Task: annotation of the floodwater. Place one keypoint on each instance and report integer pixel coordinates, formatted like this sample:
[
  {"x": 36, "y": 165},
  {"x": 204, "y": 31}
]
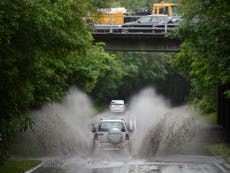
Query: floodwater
[
  {"x": 171, "y": 164},
  {"x": 166, "y": 139}
]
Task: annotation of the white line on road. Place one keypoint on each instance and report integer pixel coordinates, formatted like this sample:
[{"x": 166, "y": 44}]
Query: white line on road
[
  {"x": 33, "y": 169},
  {"x": 221, "y": 168}
]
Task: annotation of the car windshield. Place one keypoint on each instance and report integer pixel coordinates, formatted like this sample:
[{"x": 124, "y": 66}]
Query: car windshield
[
  {"x": 159, "y": 19},
  {"x": 155, "y": 19},
  {"x": 106, "y": 126},
  {"x": 117, "y": 102},
  {"x": 145, "y": 19}
]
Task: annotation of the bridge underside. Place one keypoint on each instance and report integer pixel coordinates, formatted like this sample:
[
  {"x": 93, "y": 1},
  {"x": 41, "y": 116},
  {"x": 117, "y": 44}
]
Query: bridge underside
[{"x": 138, "y": 42}]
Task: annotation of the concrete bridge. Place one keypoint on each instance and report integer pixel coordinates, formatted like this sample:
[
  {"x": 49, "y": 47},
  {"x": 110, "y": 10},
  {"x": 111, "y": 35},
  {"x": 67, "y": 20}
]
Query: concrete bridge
[{"x": 138, "y": 42}]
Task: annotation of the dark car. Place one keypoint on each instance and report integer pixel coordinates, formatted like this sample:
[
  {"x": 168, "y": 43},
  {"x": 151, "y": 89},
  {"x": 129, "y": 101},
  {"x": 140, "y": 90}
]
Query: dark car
[
  {"x": 145, "y": 23},
  {"x": 171, "y": 24}
]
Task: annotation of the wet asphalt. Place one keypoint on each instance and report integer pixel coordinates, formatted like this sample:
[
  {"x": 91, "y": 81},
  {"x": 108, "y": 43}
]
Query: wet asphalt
[{"x": 114, "y": 163}]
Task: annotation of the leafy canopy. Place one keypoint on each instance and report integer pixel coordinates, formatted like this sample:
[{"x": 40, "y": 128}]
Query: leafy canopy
[
  {"x": 45, "y": 47},
  {"x": 205, "y": 54}
]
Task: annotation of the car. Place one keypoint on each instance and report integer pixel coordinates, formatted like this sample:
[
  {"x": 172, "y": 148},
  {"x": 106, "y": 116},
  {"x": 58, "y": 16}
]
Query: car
[
  {"x": 117, "y": 106},
  {"x": 172, "y": 23},
  {"x": 145, "y": 23},
  {"x": 111, "y": 135}
]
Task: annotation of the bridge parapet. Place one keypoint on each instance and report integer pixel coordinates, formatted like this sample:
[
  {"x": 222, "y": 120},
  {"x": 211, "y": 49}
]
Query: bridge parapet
[{"x": 140, "y": 37}]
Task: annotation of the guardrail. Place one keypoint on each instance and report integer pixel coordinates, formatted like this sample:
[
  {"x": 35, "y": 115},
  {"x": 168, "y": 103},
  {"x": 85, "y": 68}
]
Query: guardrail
[{"x": 111, "y": 27}]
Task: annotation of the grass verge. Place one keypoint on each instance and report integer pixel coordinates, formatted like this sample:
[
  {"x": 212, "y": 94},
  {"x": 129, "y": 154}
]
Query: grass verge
[
  {"x": 18, "y": 166},
  {"x": 209, "y": 118},
  {"x": 222, "y": 150}
]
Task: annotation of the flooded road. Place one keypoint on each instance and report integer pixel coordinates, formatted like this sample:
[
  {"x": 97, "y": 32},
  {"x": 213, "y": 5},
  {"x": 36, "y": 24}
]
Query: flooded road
[
  {"x": 166, "y": 139},
  {"x": 169, "y": 164}
]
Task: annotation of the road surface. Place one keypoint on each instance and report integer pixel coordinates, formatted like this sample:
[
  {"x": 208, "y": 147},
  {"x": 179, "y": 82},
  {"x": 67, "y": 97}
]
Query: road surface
[{"x": 118, "y": 164}]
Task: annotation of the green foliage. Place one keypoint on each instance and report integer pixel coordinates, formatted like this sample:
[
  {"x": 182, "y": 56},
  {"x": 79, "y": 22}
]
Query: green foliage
[
  {"x": 227, "y": 93},
  {"x": 131, "y": 71},
  {"x": 142, "y": 69},
  {"x": 136, "y": 5},
  {"x": 95, "y": 65},
  {"x": 204, "y": 58},
  {"x": 220, "y": 150},
  {"x": 108, "y": 82},
  {"x": 209, "y": 118},
  {"x": 45, "y": 47},
  {"x": 206, "y": 105},
  {"x": 18, "y": 166},
  {"x": 98, "y": 3}
]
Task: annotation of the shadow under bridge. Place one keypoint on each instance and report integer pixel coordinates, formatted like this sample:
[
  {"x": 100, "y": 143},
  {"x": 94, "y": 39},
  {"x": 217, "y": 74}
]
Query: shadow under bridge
[{"x": 138, "y": 42}]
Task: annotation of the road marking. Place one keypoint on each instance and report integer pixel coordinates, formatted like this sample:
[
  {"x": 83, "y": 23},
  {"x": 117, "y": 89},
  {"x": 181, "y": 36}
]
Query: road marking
[
  {"x": 221, "y": 168},
  {"x": 33, "y": 169}
]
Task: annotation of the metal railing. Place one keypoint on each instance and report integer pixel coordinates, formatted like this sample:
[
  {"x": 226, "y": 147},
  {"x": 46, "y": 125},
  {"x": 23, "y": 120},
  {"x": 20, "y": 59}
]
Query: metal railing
[{"x": 114, "y": 27}]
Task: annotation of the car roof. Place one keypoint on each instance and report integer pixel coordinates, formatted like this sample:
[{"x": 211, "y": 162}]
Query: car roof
[
  {"x": 158, "y": 15},
  {"x": 118, "y": 102},
  {"x": 112, "y": 120}
]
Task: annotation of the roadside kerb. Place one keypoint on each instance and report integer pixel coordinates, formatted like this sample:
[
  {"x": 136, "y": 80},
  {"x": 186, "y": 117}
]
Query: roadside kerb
[{"x": 34, "y": 168}]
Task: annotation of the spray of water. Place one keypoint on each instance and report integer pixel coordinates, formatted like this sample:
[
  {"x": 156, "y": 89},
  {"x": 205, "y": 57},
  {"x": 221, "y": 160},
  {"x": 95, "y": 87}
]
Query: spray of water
[
  {"x": 60, "y": 128},
  {"x": 64, "y": 128},
  {"x": 160, "y": 129}
]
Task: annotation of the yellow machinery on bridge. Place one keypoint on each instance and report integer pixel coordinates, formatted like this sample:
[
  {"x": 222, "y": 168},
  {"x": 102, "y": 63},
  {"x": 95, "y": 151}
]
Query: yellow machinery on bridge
[
  {"x": 116, "y": 16},
  {"x": 169, "y": 9},
  {"x": 111, "y": 15}
]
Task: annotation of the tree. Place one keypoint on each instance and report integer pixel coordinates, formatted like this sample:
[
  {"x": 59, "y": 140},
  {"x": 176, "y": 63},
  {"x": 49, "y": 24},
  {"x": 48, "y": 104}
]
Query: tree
[
  {"x": 107, "y": 86},
  {"x": 136, "y": 5},
  {"x": 45, "y": 47},
  {"x": 204, "y": 58},
  {"x": 133, "y": 71}
]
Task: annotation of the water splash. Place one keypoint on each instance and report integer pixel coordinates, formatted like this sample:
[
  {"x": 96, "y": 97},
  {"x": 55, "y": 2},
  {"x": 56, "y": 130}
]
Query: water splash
[
  {"x": 161, "y": 129},
  {"x": 64, "y": 128},
  {"x": 60, "y": 128}
]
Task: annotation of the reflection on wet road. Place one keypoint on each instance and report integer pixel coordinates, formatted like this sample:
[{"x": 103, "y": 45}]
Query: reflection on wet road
[{"x": 172, "y": 164}]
